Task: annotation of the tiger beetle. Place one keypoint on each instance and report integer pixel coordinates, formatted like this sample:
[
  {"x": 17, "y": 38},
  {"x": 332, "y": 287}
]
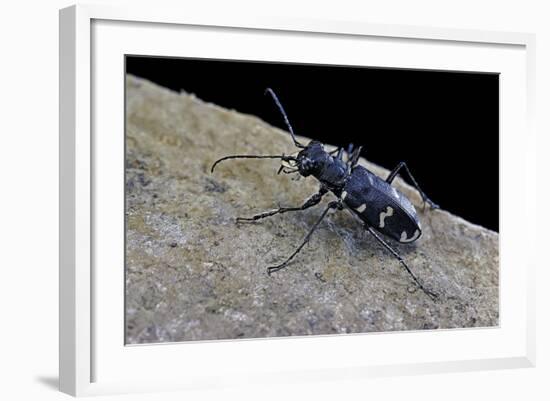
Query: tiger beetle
[{"x": 381, "y": 208}]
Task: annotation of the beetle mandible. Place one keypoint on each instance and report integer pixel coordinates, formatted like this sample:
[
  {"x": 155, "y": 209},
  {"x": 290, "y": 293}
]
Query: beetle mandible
[{"x": 381, "y": 208}]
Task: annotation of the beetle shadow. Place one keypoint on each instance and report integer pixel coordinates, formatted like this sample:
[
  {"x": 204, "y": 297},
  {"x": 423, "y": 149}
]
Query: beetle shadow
[
  {"x": 364, "y": 239},
  {"x": 372, "y": 243}
]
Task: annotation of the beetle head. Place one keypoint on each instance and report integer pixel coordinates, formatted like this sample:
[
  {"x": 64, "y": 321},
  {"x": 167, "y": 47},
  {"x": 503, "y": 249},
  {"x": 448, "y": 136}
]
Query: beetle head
[{"x": 311, "y": 159}]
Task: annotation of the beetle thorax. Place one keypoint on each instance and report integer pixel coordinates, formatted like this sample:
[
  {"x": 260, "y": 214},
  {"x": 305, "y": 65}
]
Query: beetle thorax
[{"x": 314, "y": 160}]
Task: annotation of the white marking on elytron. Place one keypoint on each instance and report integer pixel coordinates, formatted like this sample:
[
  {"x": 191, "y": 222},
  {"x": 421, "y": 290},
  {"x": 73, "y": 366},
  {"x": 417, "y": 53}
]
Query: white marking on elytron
[
  {"x": 362, "y": 208},
  {"x": 370, "y": 179},
  {"x": 405, "y": 239},
  {"x": 383, "y": 215},
  {"x": 344, "y": 194}
]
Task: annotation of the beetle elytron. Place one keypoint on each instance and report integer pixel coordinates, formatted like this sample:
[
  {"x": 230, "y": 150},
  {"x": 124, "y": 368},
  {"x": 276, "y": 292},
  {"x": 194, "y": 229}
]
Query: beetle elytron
[{"x": 380, "y": 207}]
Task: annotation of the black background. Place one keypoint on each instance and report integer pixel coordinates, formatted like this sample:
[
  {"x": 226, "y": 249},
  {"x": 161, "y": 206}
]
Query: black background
[{"x": 445, "y": 125}]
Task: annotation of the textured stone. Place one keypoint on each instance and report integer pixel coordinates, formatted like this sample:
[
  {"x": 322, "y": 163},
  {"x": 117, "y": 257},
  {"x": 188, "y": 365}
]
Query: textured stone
[{"x": 193, "y": 274}]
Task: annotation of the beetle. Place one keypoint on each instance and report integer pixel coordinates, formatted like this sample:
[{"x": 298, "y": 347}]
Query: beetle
[{"x": 380, "y": 207}]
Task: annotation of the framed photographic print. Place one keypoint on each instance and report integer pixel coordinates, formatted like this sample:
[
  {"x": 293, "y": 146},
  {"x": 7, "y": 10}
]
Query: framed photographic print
[{"x": 244, "y": 199}]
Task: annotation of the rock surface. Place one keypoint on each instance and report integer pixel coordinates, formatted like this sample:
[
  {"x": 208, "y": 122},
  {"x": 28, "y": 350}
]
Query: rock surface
[{"x": 193, "y": 274}]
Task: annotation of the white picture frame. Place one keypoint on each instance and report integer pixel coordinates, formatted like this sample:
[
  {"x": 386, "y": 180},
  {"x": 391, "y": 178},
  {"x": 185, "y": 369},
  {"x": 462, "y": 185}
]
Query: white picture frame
[{"x": 93, "y": 358}]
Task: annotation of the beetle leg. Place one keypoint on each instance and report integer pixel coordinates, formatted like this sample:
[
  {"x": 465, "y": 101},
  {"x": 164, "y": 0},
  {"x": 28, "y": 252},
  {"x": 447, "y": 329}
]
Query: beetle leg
[
  {"x": 340, "y": 154},
  {"x": 312, "y": 201},
  {"x": 432, "y": 295},
  {"x": 350, "y": 150},
  {"x": 331, "y": 205},
  {"x": 403, "y": 165},
  {"x": 354, "y": 158}
]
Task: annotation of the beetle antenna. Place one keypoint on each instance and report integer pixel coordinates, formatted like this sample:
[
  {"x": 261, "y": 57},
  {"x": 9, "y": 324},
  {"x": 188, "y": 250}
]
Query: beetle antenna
[
  {"x": 282, "y": 157},
  {"x": 287, "y": 122}
]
